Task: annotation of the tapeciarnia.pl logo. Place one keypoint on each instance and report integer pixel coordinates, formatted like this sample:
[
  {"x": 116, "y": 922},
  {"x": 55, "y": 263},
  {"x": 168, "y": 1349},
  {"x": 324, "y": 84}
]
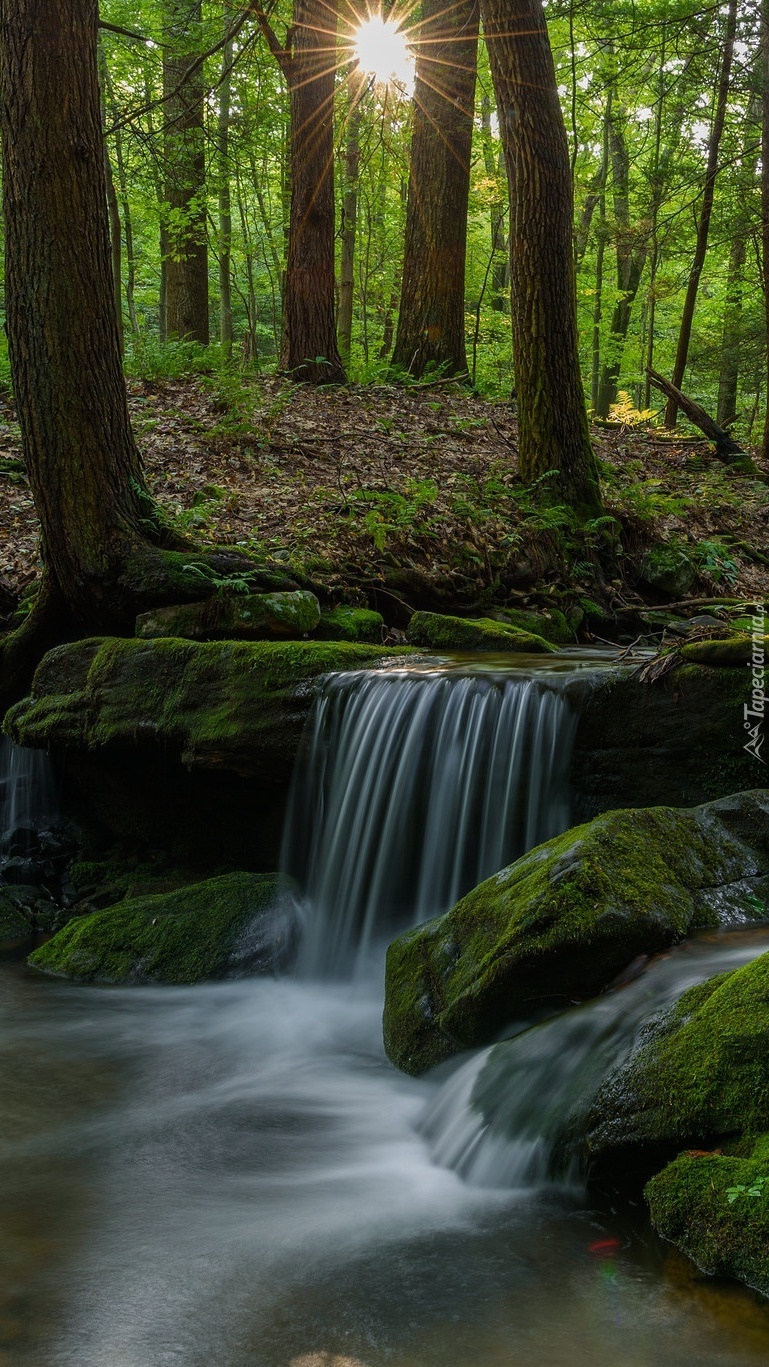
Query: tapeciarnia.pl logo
[{"x": 754, "y": 710}]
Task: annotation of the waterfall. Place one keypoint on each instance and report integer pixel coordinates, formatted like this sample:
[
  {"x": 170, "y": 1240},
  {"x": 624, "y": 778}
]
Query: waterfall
[
  {"x": 506, "y": 1117},
  {"x": 416, "y": 787},
  {"x": 27, "y": 797}
]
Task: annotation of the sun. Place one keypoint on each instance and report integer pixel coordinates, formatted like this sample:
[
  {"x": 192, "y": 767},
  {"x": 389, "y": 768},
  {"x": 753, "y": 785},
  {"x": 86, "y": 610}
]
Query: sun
[{"x": 382, "y": 50}]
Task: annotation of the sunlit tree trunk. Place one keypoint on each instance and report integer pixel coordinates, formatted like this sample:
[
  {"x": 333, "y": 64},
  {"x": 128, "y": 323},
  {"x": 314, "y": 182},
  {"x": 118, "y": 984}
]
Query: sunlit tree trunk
[
  {"x": 553, "y": 431},
  {"x": 431, "y": 321}
]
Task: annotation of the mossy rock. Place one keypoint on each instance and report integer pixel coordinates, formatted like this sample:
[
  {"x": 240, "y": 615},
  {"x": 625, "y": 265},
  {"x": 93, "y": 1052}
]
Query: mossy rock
[
  {"x": 701, "y": 1077},
  {"x": 351, "y": 624},
  {"x": 668, "y": 569},
  {"x": 92, "y": 884},
  {"x": 232, "y": 705},
  {"x": 715, "y": 1208},
  {"x": 436, "y": 631},
  {"x": 231, "y": 616},
  {"x": 15, "y": 927},
  {"x": 721, "y": 654},
  {"x": 564, "y": 920},
  {"x": 187, "y": 936},
  {"x": 550, "y": 623}
]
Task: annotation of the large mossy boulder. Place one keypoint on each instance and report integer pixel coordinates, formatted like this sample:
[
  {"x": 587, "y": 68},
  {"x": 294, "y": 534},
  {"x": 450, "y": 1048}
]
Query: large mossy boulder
[
  {"x": 436, "y": 631},
  {"x": 238, "y": 922},
  {"x": 715, "y": 1208},
  {"x": 230, "y": 616},
  {"x": 232, "y": 705},
  {"x": 700, "y": 1077},
  {"x": 563, "y": 921},
  {"x": 668, "y": 569}
]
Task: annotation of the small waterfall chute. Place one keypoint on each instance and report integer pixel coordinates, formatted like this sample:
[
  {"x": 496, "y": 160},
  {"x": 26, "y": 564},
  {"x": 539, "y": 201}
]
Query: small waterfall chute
[
  {"x": 28, "y": 802},
  {"x": 416, "y": 787},
  {"x": 507, "y": 1117}
]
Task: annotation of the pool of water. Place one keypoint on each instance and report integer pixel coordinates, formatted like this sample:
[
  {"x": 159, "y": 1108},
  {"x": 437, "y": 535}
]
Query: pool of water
[{"x": 234, "y": 1176}]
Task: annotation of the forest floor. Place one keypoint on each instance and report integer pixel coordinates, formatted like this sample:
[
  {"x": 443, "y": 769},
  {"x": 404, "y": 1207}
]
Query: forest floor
[{"x": 409, "y": 488}]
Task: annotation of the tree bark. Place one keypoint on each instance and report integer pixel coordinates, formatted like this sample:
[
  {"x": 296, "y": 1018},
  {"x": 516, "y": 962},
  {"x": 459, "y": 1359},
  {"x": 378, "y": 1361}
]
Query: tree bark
[
  {"x": 309, "y": 349},
  {"x": 729, "y": 374},
  {"x": 431, "y": 321},
  {"x": 186, "y": 240},
  {"x": 349, "y": 225},
  {"x": 552, "y": 419},
  {"x": 727, "y": 449},
  {"x": 765, "y": 202},
  {"x": 225, "y": 195}
]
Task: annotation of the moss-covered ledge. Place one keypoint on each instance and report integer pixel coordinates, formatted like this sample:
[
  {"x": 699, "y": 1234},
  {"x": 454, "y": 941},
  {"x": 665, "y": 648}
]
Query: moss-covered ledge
[{"x": 224, "y": 705}]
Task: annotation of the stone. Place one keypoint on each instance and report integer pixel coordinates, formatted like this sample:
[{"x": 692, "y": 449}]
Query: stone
[
  {"x": 715, "y": 1208},
  {"x": 563, "y": 921},
  {"x": 232, "y": 616},
  {"x": 235, "y": 923},
  {"x": 668, "y": 569},
  {"x": 351, "y": 624},
  {"x": 436, "y": 631}
]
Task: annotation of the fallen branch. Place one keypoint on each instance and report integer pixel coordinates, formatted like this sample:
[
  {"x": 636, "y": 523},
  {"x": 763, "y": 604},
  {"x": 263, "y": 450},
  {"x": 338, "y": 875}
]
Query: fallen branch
[{"x": 727, "y": 449}]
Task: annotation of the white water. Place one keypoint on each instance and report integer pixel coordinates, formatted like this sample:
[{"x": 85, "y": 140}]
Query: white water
[
  {"x": 416, "y": 787},
  {"x": 27, "y": 794}
]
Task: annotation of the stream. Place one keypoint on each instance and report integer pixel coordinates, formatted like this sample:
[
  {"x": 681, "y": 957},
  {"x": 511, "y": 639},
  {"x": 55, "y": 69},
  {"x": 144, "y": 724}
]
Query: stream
[{"x": 233, "y": 1175}]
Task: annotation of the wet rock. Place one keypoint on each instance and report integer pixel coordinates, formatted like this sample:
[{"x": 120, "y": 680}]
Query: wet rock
[
  {"x": 250, "y": 616},
  {"x": 436, "y": 631},
  {"x": 564, "y": 920},
  {"x": 204, "y": 931}
]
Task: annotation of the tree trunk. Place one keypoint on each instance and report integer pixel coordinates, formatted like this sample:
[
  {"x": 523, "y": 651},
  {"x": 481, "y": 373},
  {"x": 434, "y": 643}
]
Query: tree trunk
[
  {"x": 552, "y": 420},
  {"x": 309, "y": 350},
  {"x": 495, "y": 171},
  {"x": 106, "y": 553},
  {"x": 83, "y": 465},
  {"x": 225, "y": 196},
  {"x": 349, "y": 217},
  {"x": 431, "y": 322},
  {"x": 728, "y": 379},
  {"x": 706, "y": 209},
  {"x": 631, "y": 259},
  {"x": 186, "y": 227}
]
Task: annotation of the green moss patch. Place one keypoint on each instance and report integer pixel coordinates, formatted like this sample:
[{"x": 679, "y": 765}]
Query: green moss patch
[
  {"x": 702, "y": 1077},
  {"x": 250, "y": 616},
  {"x": 565, "y": 919},
  {"x": 716, "y": 1210},
  {"x": 351, "y": 624},
  {"x": 738, "y": 650},
  {"x": 436, "y": 631},
  {"x": 219, "y": 704},
  {"x": 185, "y": 936}
]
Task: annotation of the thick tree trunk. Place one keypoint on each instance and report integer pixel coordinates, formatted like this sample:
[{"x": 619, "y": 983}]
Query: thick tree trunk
[
  {"x": 309, "y": 350},
  {"x": 729, "y": 375},
  {"x": 83, "y": 465},
  {"x": 186, "y": 228},
  {"x": 706, "y": 209},
  {"x": 552, "y": 420},
  {"x": 765, "y": 202},
  {"x": 431, "y": 321}
]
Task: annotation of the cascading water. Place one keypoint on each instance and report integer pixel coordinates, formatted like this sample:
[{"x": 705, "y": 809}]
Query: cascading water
[
  {"x": 507, "y": 1117},
  {"x": 417, "y": 786},
  {"x": 27, "y": 797}
]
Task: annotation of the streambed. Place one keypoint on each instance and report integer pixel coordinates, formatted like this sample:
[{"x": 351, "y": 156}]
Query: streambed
[{"x": 234, "y": 1175}]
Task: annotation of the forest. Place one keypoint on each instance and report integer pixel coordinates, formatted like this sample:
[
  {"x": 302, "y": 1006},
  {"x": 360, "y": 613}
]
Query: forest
[{"x": 384, "y": 829}]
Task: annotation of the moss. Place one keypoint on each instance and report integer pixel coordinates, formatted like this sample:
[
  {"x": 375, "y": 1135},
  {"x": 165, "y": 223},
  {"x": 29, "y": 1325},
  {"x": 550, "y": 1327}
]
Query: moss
[
  {"x": 669, "y": 569},
  {"x": 439, "y": 632},
  {"x": 351, "y": 624},
  {"x": 690, "y": 1206},
  {"x": 222, "y": 704},
  {"x": 701, "y": 1077},
  {"x": 736, "y": 651},
  {"x": 103, "y": 882},
  {"x": 184, "y": 936},
  {"x": 250, "y": 616},
  {"x": 565, "y": 919},
  {"x": 551, "y": 624},
  {"x": 15, "y": 927}
]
